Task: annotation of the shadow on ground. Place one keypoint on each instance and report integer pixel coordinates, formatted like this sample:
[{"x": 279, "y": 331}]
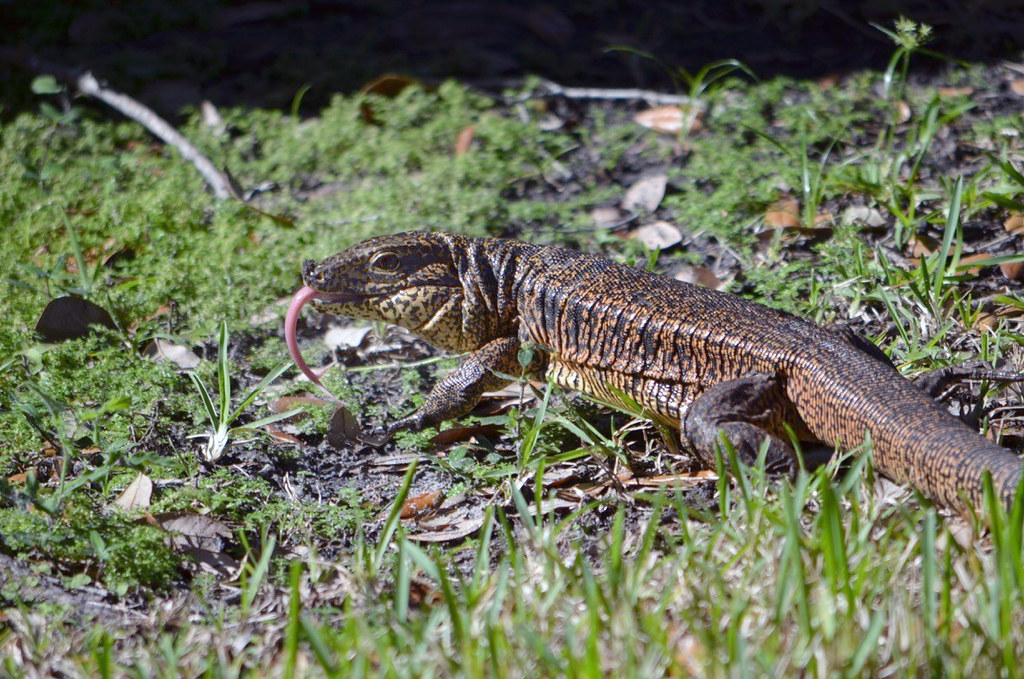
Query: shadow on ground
[{"x": 261, "y": 54}]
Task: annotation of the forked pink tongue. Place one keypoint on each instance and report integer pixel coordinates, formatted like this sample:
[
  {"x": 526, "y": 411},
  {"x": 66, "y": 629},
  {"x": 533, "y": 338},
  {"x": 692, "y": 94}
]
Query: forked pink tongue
[{"x": 291, "y": 321}]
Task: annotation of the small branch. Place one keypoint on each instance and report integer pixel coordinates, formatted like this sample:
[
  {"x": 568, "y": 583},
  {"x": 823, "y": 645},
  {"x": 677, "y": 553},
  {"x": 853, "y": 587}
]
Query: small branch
[
  {"x": 215, "y": 179},
  {"x": 654, "y": 98}
]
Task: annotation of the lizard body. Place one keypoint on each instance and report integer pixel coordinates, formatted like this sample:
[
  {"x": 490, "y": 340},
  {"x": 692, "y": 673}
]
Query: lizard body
[{"x": 702, "y": 361}]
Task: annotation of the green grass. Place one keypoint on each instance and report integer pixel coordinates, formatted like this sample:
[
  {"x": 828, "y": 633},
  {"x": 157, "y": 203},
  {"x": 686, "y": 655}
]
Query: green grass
[{"x": 833, "y": 575}]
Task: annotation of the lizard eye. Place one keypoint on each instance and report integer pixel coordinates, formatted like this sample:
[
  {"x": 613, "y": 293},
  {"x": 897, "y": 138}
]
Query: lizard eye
[{"x": 385, "y": 262}]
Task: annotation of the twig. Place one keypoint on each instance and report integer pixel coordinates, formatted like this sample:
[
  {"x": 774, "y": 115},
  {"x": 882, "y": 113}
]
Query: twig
[
  {"x": 215, "y": 179},
  {"x": 654, "y": 98}
]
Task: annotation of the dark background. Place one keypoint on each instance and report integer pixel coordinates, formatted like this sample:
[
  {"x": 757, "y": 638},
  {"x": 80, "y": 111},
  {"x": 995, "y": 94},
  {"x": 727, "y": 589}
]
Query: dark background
[{"x": 261, "y": 53}]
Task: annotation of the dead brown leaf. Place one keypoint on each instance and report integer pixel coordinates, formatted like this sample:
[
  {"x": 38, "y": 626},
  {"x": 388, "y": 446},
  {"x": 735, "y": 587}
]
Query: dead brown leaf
[
  {"x": 646, "y": 194},
  {"x": 137, "y": 494},
  {"x": 1013, "y": 270},
  {"x": 952, "y": 92},
  {"x": 903, "y": 112},
  {"x": 457, "y": 531},
  {"x": 668, "y": 119},
  {"x": 970, "y": 259},
  {"x": 417, "y": 505},
  {"x": 658, "y": 235},
  {"x": 783, "y": 213},
  {"x": 69, "y": 317},
  {"x": 464, "y": 140},
  {"x": 1017, "y": 87},
  {"x": 699, "y": 275},
  {"x": 1014, "y": 224}
]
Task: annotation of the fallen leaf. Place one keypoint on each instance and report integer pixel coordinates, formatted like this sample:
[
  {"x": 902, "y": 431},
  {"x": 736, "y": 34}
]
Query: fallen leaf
[
  {"x": 1017, "y": 86},
  {"x": 18, "y": 478},
  {"x": 418, "y": 504},
  {"x": 903, "y": 112},
  {"x": 1013, "y": 270},
  {"x": 951, "y": 92},
  {"x": 668, "y": 119},
  {"x": 986, "y": 321},
  {"x": 201, "y": 537},
  {"x": 699, "y": 275},
  {"x": 464, "y": 140},
  {"x": 970, "y": 259},
  {"x": 783, "y": 213},
  {"x": 459, "y": 530},
  {"x": 343, "y": 429},
  {"x": 1014, "y": 224},
  {"x": 646, "y": 194},
  {"x": 922, "y": 245},
  {"x": 863, "y": 214},
  {"x": 346, "y": 336},
  {"x": 606, "y": 217},
  {"x": 69, "y": 317},
  {"x": 179, "y": 355},
  {"x": 658, "y": 235},
  {"x": 137, "y": 494},
  {"x": 388, "y": 85},
  {"x": 286, "y": 403},
  {"x": 452, "y": 435}
]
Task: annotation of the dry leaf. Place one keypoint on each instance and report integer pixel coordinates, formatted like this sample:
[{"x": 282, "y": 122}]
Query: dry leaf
[
  {"x": 1017, "y": 86},
  {"x": 903, "y": 112},
  {"x": 950, "y": 92},
  {"x": 464, "y": 140},
  {"x": 699, "y": 275},
  {"x": 418, "y": 504},
  {"x": 201, "y": 537},
  {"x": 346, "y": 337},
  {"x": 970, "y": 259},
  {"x": 1013, "y": 270},
  {"x": 1014, "y": 224},
  {"x": 343, "y": 429},
  {"x": 181, "y": 356},
  {"x": 668, "y": 119},
  {"x": 864, "y": 215},
  {"x": 922, "y": 245},
  {"x": 137, "y": 494},
  {"x": 783, "y": 213},
  {"x": 459, "y": 530},
  {"x": 606, "y": 217},
  {"x": 986, "y": 321},
  {"x": 67, "y": 318},
  {"x": 646, "y": 194},
  {"x": 658, "y": 235}
]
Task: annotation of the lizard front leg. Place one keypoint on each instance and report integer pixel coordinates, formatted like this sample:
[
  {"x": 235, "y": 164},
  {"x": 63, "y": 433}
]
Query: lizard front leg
[
  {"x": 486, "y": 369},
  {"x": 747, "y": 410}
]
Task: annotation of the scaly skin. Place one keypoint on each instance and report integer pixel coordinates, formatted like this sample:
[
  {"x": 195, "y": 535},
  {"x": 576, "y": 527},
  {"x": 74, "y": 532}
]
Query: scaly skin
[{"x": 706, "y": 362}]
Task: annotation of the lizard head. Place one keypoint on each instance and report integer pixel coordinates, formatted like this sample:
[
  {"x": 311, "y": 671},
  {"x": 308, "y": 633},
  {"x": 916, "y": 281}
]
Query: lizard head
[{"x": 408, "y": 279}]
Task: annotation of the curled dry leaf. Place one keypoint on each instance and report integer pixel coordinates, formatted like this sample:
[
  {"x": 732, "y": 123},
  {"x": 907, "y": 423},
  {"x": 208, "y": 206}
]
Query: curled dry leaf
[
  {"x": 668, "y": 119},
  {"x": 1013, "y": 270},
  {"x": 179, "y": 355},
  {"x": 69, "y": 317},
  {"x": 1015, "y": 224},
  {"x": 137, "y": 494},
  {"x": 646, "y": 194},
  {"x": 658, "y": 235}
]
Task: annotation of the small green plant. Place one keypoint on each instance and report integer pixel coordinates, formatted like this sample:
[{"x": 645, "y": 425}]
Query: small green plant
[{"x": 223, "y": 416}]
